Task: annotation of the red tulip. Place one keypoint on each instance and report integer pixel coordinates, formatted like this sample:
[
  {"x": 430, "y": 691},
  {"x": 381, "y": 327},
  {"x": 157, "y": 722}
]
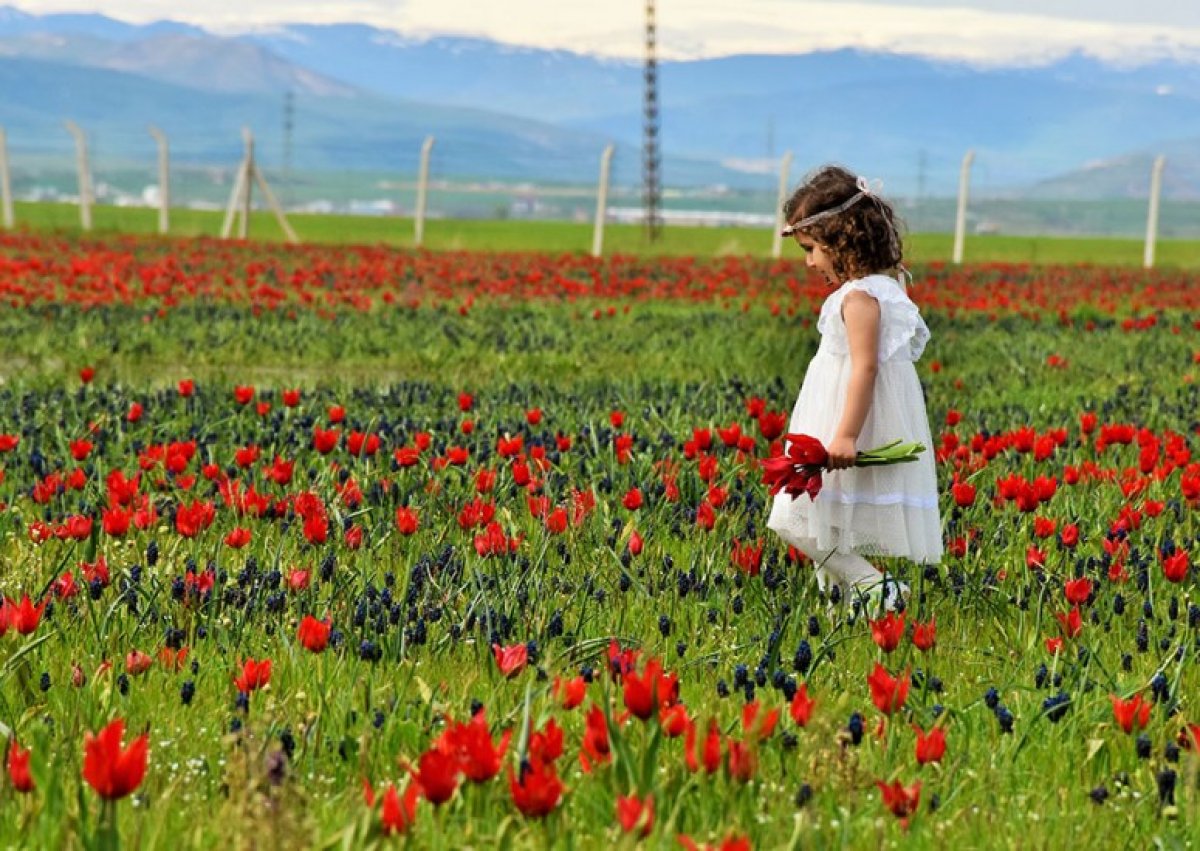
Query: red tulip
[
  {"x": 743, "y": 761},
  {"x": 802, "y": 706},
  {"x": 888, "y": 693},
  {"x": 1071, "y": 622},
  {"x": 888, "y": 631},
  {"x": 766, "y": 724},
  {"x": 254, "y": 675},
  {"x": 407, "y": 520},
  {"x": 437, "y": 773},
  {"x": 1078, "y": 590},
  {"x": 24, "y": 617},
  {"x": 1132, "y": 714},
  {"x": 110, "y": 769},
  {"x": 471, "y": 745},
  {"x": 596, "y": 745},
  {"x": 900, "y": 800},
  {"x": 314, "y": 634},
  {"x": 570, "y": 693},
  {"x": 137, "y": 662},
  {"x": 396, "y": 814},
  {"x": 650, "y": 691},
  {"x": 237, "y": 538},
  {"x": 18, "y": 768},
  {"x": 536, "y": 792},
  {"x": 931, "y": 746},
  {"x": 1175, "y": 566},
  {"x": 924, "y": 635},
  {"x": 511, "y": 660},
  {"x": 636, "y": 815}
]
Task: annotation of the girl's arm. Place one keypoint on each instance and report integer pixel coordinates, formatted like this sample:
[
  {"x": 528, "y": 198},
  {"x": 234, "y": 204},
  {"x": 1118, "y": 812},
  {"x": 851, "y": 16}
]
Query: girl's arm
[{"x": 861, "y": 314}]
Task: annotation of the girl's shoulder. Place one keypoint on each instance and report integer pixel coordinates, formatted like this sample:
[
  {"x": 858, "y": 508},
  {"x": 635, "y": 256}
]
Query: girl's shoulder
[{"x": 883, "y": 288}]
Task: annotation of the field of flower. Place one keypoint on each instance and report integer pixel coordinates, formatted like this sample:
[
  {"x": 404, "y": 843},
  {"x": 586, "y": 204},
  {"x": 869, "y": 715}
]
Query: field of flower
[
  {"x": 554, "y": 236},
  {"x": 346, "y": 546}
]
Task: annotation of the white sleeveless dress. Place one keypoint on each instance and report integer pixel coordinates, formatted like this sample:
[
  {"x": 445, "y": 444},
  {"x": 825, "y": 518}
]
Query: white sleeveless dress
[{"x": 881, "y": 511}]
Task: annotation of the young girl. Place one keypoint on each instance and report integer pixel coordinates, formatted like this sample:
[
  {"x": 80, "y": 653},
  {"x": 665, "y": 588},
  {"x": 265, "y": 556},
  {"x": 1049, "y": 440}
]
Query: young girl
[{"x": 861, "y": 391}]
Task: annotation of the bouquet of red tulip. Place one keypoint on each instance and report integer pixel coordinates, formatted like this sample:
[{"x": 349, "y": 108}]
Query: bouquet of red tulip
[{"x": 798, "y": 470}]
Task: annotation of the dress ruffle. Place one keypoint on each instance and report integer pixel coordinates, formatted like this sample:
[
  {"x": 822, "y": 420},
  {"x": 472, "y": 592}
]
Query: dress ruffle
[{"x": 903, "y": 334}]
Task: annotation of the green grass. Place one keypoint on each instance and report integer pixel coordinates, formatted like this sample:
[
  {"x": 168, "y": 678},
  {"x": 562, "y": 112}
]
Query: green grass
[
  {"x": 454, "y": 235},
  {"x": 217, "y": 777}
]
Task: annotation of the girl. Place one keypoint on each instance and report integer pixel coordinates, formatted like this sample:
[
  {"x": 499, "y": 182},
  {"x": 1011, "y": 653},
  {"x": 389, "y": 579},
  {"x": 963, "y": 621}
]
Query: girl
[{"x": 861, "y": 391}]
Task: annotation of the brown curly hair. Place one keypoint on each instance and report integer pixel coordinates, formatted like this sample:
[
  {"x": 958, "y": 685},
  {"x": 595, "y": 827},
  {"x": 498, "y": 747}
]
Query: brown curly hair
[{"x": 861, "y": 240}]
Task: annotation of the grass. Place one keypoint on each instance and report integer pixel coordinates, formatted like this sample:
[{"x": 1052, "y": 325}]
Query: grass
[
  {"x": 416, "y": 614},
  {"x": 497, "y": 235}
]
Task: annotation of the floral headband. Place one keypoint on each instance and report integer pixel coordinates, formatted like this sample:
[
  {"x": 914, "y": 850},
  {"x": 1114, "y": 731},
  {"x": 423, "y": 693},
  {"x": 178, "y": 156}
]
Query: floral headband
[{"x": 866, "y": 189}]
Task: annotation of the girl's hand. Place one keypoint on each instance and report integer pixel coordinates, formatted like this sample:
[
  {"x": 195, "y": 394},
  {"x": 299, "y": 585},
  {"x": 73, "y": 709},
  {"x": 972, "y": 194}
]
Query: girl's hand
[{"x": 843, "y": 451}]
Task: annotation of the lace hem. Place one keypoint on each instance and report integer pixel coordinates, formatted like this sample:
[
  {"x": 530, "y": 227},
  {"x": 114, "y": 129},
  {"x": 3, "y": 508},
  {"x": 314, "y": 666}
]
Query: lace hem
[{"x": 894, "y": 498}]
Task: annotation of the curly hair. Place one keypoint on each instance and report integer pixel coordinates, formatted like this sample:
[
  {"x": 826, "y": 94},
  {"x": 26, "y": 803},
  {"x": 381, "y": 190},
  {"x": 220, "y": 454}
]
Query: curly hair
[{"x": 862, "y": 239}]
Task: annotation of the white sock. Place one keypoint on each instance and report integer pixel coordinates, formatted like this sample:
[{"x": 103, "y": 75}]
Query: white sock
[{"x": 852, "y": 570}]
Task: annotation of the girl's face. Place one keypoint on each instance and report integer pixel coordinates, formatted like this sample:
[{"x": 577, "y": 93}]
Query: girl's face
[{"x": 817, "y": 258}]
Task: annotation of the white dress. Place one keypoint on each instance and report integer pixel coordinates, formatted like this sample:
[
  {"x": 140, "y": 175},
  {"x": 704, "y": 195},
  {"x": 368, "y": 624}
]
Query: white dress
[{"x": 881, "y": 511}]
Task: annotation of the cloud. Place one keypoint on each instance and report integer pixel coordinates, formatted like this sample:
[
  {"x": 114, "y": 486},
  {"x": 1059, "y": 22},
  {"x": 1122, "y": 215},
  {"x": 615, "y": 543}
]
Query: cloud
[{"x": 701, "y": 28}]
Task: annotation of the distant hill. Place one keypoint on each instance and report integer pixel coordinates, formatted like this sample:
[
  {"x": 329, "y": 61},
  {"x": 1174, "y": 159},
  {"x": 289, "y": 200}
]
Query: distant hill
[
  {"x": 365, "y": 97},
  {"x": 1128, "y": 176},
  {"x": 195, "y": 61}
]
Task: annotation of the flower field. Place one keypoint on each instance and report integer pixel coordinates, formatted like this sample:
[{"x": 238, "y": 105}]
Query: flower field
[{"x": 348, "y": 546}]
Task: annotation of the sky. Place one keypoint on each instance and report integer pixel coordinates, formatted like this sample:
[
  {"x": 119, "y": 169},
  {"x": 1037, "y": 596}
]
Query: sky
[{"x": 982, "y": 31}]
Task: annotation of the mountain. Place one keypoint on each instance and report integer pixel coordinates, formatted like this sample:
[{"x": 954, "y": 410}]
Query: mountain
[
  {"x": 14, "y": 22},
  {"x": 115, "y": 106},
  {"x": 365, "y": 97},
  {"x": 549, "y": 85},
  {"x": 198, "y": 61},
  {"x": 1128, "y": 176}
]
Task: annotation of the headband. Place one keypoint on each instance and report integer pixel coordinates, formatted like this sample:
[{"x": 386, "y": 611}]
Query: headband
[{"x": 866, "y": 189}]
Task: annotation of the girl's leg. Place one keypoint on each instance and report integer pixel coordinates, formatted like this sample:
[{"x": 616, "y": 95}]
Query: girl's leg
[
  {"x": 827, "y": 580},
  {"x": 859, "y": 577}
]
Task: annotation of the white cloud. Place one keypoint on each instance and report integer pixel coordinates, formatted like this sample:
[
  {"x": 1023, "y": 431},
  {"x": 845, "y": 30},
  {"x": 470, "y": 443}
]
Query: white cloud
[{"x": 695, "y": 28}]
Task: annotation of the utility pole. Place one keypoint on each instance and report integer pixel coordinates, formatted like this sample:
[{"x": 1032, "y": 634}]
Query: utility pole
[{"x": 651, "y": 159}]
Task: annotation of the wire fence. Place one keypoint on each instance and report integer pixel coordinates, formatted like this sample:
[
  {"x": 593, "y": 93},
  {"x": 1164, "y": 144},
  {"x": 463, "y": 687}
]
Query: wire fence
[{"x": 470, "y": 178}]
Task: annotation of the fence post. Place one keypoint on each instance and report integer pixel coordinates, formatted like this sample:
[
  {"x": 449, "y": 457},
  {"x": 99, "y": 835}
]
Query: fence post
[
  {"x": 6, "y": 200},
  {"x": 960, "y": 221},
  {"x": 601, "y": 201},
  {"x": 85, "y": 177},
  {"x": 164, "y": 180},
  {"x": 785, "y": 165},
  {"x": 1152, "y": 216},
  {"x": 422, "y": 193}
]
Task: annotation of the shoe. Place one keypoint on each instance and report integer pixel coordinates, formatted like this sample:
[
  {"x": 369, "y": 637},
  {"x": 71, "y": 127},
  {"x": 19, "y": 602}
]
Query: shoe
[{"x": 835, "y": 592}]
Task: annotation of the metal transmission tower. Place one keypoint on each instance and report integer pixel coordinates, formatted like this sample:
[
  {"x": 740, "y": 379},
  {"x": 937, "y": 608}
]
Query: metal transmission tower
[
  {"x": 651, "y": 160},
  {"x": 289, "y": 123}
]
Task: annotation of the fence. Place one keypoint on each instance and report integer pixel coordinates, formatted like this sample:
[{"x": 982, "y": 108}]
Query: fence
[{"x": 714, "y": 206}]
